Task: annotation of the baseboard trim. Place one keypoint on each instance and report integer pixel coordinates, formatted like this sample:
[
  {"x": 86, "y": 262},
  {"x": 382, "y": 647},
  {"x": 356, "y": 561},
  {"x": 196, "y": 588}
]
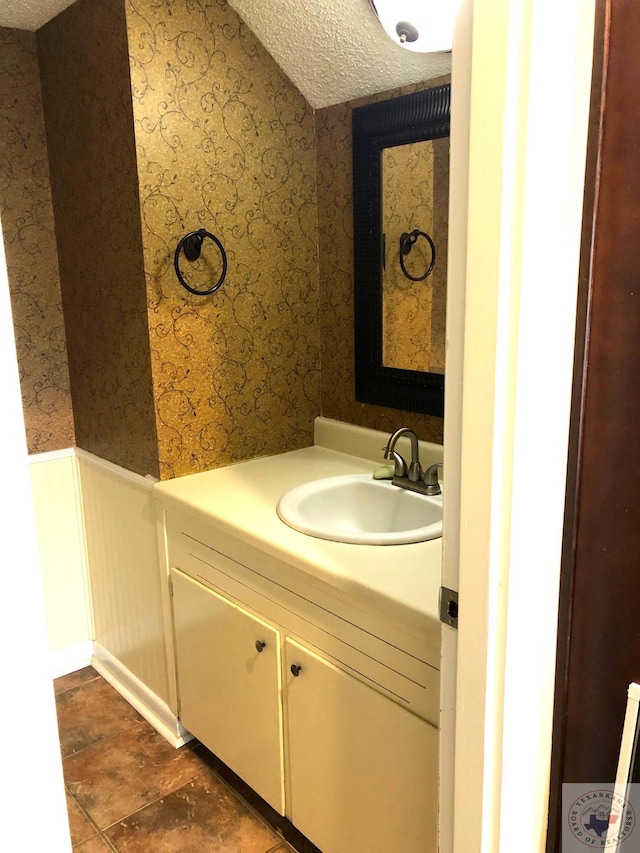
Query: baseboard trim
[
  {"x": 138, "y": 695},
  {"x": 71, "y": 658}
]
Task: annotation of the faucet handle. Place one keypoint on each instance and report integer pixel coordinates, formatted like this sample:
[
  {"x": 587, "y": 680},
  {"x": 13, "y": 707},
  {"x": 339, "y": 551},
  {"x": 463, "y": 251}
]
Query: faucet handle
[{"x": 431, "y": 479}]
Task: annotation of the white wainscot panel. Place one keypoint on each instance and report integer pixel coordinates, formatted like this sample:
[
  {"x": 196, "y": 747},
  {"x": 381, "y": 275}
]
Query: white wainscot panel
[
  {"x": 56, "y": 499},
  {"x": 124, "y": 569}
]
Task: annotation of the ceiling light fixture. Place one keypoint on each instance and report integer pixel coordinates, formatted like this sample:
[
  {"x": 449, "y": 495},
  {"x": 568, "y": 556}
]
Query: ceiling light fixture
[{"x": 425, "y": 26}]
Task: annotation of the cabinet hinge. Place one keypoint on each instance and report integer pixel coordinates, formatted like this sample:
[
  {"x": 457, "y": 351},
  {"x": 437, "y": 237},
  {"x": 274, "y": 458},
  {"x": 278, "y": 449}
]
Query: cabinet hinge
[{"x": 449, "y": 606}]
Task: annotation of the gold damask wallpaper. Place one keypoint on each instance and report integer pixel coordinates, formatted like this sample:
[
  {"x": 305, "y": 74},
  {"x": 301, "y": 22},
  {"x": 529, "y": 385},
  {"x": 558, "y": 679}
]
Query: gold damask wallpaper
[
  {"x": 162, "y": 117},
  {"x": 415, "y": 196},
  {"x": 407, "y": 204},
  {"x": 27, "y": 224},
  {"x": 335, "y": 237},
  {"x": 87, "y": 104},
  {"x": 225, "y": 142}
]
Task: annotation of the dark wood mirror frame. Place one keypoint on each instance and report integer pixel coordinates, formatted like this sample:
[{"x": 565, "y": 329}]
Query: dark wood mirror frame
[{"x": 409, "y": 118}]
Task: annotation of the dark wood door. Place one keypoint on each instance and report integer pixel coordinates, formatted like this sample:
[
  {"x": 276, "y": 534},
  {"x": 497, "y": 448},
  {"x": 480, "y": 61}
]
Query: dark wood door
[{"x": 599, "y": 641}]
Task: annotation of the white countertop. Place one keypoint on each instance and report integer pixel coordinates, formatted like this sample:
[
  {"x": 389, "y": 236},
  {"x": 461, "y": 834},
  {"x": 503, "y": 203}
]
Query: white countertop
[{"x": 400, "y": 581}]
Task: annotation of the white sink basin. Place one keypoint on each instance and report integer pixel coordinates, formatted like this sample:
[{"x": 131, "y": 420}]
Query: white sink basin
[{"x": 357, "y": 509}]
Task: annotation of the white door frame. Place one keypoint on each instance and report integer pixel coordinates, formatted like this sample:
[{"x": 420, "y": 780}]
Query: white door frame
[{"x": 530, "y": 71}]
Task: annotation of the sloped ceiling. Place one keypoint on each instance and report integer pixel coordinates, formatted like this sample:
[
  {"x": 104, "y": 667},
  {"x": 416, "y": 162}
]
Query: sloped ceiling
[
  {"x": 336, "y": 50},
  {"x": 333, "y": 50},
  {"x": 29, "y": 14}
]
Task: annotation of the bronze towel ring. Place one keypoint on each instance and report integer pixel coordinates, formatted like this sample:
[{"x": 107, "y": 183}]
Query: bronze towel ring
[
  {"x": 406, "y": 244},
  {"x": 192, "y": 244}
]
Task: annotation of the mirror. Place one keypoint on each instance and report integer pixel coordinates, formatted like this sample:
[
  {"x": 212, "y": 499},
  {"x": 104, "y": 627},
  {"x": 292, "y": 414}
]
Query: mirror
[{"x": 401, "y": 197}]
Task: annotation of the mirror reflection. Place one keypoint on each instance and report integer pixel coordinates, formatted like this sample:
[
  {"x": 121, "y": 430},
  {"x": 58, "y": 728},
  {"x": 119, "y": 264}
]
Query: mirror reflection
[
  {"x": 415, "y": 191},
  {"x": 400, "y": 206}
]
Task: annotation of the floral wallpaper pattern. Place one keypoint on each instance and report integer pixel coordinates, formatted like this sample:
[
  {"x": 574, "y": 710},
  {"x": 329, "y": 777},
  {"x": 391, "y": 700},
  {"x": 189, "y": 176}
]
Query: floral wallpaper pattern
[
  {"x": 225, "y": 142},
  {"x": 165, "y": 116},
  {"x": 87, "y": 104},
  {"x": 335, "y": 237},
  {"x": 27, "y": 223},
  {"x": 415, "y": 196}
]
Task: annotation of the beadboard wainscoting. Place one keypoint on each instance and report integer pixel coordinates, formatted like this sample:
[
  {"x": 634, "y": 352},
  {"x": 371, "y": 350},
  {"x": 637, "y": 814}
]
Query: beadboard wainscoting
[
  {"x": 98, "y": 539},
  {"x": 55, "y": 481},
  {"x": 122, "y": 548}
]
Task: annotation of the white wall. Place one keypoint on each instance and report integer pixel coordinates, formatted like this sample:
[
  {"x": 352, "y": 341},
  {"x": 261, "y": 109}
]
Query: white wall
[{"x": 33, "y": 802}]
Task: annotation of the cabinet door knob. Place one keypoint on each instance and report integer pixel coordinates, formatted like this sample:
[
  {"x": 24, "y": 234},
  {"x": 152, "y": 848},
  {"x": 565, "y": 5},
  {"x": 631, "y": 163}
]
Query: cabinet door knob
[
  {"x": 260, "y": 644},
  {"x": 295, "y": 669}
]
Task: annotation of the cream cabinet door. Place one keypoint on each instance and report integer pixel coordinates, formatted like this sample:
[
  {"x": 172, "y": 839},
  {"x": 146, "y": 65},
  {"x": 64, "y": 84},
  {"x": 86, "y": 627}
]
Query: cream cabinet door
[
  {"x": 363, "y": 770},
  {"x": 228, "y": 666}
]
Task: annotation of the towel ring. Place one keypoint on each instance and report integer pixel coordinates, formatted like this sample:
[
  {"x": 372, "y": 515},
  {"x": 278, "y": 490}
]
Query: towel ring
[
  {"x": 192, "y": 244},
  {"x": 406, "y": 244}
]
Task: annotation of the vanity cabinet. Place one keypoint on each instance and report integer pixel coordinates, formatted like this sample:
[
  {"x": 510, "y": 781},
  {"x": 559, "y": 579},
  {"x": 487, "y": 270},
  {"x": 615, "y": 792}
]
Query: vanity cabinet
[
  {"x": 361, "y": 768},
  {"x": 228, "y": 664},
  {"x": 345, "y": 744},
  {"x": 306, "y": 707}
]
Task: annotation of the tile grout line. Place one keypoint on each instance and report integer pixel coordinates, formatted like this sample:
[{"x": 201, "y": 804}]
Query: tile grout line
[
  {"x": 101, "y": 741},
  {"x": 109, "y": 845},
  {"x": 253, "y": 810},
  {"x": 128, "y": 816},
  {"x": 77, "y": 686},
  {"x": 280, "y": 843},
  {"x": 86, "y": 814},
  {"x": 249, "y": 808},
  {"x": 151, "y": 803},
  {"x": 206, "y": 768},
  {"x": 98, "y": 744},
  {"x": 228, "y": 788}
]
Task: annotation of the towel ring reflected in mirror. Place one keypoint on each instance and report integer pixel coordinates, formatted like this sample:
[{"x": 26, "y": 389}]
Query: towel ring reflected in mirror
[{"x": 407, "y": 241}]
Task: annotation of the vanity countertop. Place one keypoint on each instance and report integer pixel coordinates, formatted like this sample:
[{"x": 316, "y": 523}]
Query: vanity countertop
[{"x": 400, "y": 581}]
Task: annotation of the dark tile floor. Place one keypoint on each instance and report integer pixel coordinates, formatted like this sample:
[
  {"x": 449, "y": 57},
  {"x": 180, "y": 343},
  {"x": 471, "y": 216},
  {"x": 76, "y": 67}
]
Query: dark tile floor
[{"x": 130, "y": 791}]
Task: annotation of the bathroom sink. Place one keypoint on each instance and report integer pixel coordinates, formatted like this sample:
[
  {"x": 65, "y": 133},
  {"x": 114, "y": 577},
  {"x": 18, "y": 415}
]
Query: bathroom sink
[{"x": 357, "y": 509}]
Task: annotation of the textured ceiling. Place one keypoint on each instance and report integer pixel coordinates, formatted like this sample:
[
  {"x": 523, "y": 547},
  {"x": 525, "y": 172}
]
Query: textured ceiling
[
  {"x": 333, "y": 50},
  {"x": 29, "y": 14},
  {"x": 336, "y": 50}
]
